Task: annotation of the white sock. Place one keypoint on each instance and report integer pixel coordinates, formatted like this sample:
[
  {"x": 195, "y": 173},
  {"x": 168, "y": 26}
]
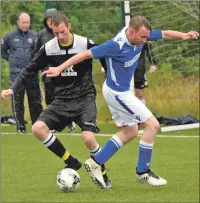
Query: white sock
[
  {"x": 95, "y": 151},
  {"x": 49, "y": 140}
]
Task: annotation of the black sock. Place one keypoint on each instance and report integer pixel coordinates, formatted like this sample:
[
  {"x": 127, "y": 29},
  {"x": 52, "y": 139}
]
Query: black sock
[
  {"x": 69, "y": 160},
  {"x": 54, "y": 145}
]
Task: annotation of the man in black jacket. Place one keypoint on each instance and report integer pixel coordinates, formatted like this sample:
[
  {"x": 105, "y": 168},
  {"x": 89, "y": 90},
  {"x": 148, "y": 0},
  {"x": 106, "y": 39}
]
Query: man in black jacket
[
  {"x": 75, "y": 93},
  {"x": 43, "y": 37},
  {"x": 17, "y": 47},
  {"x": 140, "y": 79}
]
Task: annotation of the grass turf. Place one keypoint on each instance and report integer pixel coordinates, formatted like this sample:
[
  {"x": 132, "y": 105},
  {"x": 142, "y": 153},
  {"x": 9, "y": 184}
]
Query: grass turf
[{"x": 28, "y": 171}]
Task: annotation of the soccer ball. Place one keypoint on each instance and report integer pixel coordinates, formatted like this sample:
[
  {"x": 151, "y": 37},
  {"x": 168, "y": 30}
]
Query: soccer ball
[{"x": 68, "y": 180}]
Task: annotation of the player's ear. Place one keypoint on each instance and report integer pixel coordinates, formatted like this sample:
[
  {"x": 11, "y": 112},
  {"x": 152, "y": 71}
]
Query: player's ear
[
  {"x": 132, "y": 30},
  {"x": 69, "y": 26}
]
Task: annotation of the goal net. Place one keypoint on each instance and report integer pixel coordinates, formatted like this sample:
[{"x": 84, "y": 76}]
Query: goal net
[
  {"x": 174, "y": 88},
  {"x": 189, "y": 7}
]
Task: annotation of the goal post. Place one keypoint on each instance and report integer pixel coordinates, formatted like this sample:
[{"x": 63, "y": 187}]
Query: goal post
[{"x": 125, "y": 7}]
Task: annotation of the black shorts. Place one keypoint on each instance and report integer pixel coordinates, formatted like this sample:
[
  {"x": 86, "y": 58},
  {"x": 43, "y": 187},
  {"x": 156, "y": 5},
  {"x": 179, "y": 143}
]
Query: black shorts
[
  {"x": 60, "y": 114},
  {"x": 140, "y": 81}
]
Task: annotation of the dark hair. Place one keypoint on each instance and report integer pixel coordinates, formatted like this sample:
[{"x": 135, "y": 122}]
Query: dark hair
[
  {"x": 138, "y": 21},
  {"x": 60, "y": 18}
]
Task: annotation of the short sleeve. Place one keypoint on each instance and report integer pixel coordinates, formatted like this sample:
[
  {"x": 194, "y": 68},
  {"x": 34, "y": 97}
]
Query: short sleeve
[
  {"x": 155, "y": 35},
  {"x": 105, "y": 50}
]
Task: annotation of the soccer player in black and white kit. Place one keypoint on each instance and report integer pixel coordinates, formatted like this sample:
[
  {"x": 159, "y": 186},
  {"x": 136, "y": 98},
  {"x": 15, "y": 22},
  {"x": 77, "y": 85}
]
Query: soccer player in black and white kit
[
  {"x": 43, "y": 36},
  {"x": 75, "y": 93}
]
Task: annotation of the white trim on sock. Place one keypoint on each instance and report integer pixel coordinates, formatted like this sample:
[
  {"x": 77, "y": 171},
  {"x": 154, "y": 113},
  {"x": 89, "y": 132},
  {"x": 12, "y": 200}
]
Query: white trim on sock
[
  {"x": 49, "y": 140},
  {"x": 146, "y": 145},
  {"x": 117, "y": 141},
  {"x": 95, "y": 151}
]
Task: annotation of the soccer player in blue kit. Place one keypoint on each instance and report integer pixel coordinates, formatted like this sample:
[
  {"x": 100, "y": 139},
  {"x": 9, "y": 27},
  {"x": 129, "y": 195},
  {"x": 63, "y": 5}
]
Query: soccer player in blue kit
[{"x": 121, "y": 54}]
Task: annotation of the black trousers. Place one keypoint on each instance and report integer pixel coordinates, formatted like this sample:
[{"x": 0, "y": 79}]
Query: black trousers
[{"x": 34, "y": 102}]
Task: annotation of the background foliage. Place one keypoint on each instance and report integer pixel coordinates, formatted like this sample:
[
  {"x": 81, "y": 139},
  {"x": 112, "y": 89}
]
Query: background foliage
[{"x": 173, "y": 89}]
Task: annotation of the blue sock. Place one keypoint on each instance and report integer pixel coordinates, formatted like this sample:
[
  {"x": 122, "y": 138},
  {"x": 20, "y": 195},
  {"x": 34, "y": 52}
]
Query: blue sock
[
  {"x": 110, "y": 148},
  {"x": 145, "y": 154}
]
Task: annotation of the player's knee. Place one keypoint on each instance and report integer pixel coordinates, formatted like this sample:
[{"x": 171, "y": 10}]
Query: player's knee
[
  {"x": 35, "y": 128},
  {"x": 157, "y": 125},
  {"x": 153, "y": 124},
  {"x": 38, "y": 128},
  {"x": 87, "y": 140}
]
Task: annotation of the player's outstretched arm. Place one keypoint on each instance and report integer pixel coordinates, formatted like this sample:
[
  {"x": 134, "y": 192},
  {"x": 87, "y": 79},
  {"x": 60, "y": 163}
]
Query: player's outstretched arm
[
  {"x": 171, "y": 34},
  {"x": 55, "y": 71},
  {"x": 6, "y": 93}
]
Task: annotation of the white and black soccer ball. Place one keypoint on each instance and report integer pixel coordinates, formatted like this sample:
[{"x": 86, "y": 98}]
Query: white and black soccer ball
[{"x": 68, "y": 180}]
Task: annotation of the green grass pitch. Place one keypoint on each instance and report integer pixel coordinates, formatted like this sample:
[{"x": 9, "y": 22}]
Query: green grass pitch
[{"x": 28, "y": 170}]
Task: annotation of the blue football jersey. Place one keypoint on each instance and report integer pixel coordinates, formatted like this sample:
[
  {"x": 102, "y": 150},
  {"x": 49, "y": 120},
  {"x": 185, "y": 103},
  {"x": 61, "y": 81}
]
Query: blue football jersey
[{"x": 121, "y": 58}]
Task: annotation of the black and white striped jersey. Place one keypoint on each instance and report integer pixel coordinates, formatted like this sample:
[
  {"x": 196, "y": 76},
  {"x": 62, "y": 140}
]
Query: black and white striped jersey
[{"x": 74, "y": 82}]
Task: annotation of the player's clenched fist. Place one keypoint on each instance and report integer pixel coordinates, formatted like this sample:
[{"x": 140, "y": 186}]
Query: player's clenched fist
[
  {"x": 190, "y": 35},
  {"x": 5, "y": 93}
]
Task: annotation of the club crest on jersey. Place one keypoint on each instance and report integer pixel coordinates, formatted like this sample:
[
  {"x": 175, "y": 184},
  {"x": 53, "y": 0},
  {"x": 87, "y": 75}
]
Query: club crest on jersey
[
  {"x": 30, "y": 40},
  {"x": 69, "y": 72},
  {"x": 119, "y": 39},
  {"x": 132, "y": 61}
]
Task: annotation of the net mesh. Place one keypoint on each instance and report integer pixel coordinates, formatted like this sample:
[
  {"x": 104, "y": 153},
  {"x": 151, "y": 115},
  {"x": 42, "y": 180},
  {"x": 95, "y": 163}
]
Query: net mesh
[
  {"x": 190, "y": 7},
  {"x": 176, "y": 83},
  {"x": 181, "y": 55}
]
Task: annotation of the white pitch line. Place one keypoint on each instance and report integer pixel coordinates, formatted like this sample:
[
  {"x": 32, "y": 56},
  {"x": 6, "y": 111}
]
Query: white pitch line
[{"x": 108, "y": 135}]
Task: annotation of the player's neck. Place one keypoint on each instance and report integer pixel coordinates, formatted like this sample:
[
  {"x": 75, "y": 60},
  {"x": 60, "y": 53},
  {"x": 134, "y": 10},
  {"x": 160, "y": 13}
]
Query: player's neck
[
  {"x": 69, "y": 42},
  {"x": 127, "y": 32}
]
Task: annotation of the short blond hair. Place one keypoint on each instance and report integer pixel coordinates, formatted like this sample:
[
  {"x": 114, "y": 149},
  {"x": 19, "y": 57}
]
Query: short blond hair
[{"x": 138, "y": 21}]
